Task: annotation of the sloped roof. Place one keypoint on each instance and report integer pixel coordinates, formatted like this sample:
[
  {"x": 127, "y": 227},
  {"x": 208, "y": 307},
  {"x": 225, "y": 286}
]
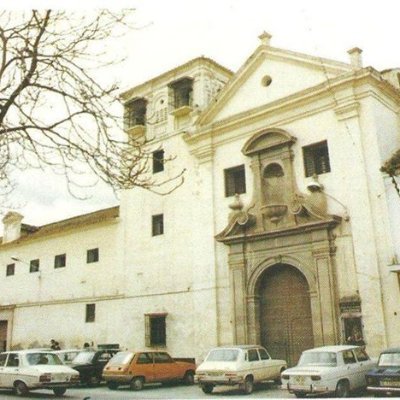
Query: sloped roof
[
  {"x": 261, "y": 52},
  {"x": 30, "y": 232}
]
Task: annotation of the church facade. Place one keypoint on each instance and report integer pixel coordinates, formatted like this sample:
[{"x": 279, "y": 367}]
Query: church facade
[{"x": 283, "y": 232}]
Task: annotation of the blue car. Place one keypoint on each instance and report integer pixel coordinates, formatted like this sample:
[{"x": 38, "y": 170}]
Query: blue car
[{"x": 385, "y": 378}]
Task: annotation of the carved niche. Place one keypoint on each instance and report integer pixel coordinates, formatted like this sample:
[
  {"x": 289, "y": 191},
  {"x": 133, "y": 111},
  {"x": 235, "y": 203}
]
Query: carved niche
[{"x": 277, "y": 203}]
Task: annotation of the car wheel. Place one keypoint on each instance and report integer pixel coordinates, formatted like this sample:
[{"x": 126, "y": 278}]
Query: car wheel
[
  {"x": 342, "y": 389},
  {"x": 20, "y": 388},
  {"x": 300, "y": 395},
  {"x": 112, "y": 385},
  {"x": 207, "y": 388},
  {"x": 278, "y": 380},
  {"x": 59, "y": 391},
  {"x": 188, "y": 379},
  {"x": 137, "y": 383},
  {"x": 248, "y": 385}
]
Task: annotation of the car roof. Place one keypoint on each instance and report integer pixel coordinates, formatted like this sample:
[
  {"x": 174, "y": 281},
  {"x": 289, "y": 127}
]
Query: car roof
[
  {"x": 391, "y": 350},
  {"x": 334, "y": 348},
  {"x": 66, "y": 351},
  {"x": 239, "y": 346},
  {"x": 27, "y": 351}
]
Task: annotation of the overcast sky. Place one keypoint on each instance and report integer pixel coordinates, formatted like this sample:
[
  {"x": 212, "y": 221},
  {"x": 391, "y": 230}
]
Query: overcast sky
[{"x": 171, "y": 32}]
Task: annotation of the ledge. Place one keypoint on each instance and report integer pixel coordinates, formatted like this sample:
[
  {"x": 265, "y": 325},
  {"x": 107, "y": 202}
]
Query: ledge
[{"x": 179, "y": 112}]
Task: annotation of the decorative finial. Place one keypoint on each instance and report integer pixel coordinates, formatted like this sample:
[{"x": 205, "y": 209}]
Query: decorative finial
[
  {"x": 237, "y": 204},
  {"x": 265, "y": 38}
]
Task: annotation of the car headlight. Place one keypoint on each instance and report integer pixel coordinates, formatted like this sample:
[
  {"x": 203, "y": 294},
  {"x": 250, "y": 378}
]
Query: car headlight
[
  {"x": 285, "y": 376},
  {"x": 315, "y": 378},
  {"x": 45, "y": 378}
]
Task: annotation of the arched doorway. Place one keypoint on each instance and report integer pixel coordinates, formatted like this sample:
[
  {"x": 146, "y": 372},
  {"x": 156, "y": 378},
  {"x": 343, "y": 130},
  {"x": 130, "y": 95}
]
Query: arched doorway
[{"x": 285, "y": 313}]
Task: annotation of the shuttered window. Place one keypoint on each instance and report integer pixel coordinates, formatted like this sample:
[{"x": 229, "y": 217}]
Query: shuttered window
[
  {"x": 316, "y": 159},
  {"x": 235, "y": 181}
]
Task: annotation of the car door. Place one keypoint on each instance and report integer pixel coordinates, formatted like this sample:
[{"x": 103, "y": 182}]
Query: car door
[
  {"x": 144, "y": 366},
  {"x": 267, "y": 368},
  {"x": 165, "y": 367},
  {"x": 351, "y": 370},
  {"x": 364, "y": 365},
  {"x": 3, "y": 359},
  {"x": 11, "y": 369},
  {"x": 254, "y": 364}
]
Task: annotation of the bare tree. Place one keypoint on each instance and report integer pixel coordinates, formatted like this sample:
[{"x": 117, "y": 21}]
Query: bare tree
[{"x": 54, "y": 112}]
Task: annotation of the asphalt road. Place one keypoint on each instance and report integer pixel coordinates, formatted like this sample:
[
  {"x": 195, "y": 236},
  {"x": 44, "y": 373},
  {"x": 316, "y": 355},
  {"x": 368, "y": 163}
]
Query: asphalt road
[{"x": 263, "y": 391}]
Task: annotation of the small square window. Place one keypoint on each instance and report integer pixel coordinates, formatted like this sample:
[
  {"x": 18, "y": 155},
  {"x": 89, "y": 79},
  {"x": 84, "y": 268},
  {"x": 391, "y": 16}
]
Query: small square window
[
  {"x": 316, "y": 159},
  {"x": 235, "y": 181},
  {"x": 158, "y": 161},
  {"x": 157, "y": 224},
  {"x": 92, "y": 255},
  {"x": 90, "y": 312},
  {"x": 10, "y": 270},
  {"x": 182, "y": 92},
  {"x": 60, "y": 261},
  {"x": 34, "y": 265}
]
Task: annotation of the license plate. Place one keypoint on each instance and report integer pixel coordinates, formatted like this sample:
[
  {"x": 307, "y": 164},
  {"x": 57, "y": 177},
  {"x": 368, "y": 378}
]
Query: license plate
[
  {"x": 300, "y": 380},
  {"x": 387, "y": 383},
  {"x": 215, "y": 373}
]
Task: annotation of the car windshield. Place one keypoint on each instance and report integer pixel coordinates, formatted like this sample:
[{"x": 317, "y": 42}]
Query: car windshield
[
  {"x": 84, "y": 357},
  {"x": 223, "y": 355},
  {"x": 318, "y": 358},
  {"x": 121, "y": 358},
  {"x": 43, "y": 359},
  {"x": 389, "y": 360}
]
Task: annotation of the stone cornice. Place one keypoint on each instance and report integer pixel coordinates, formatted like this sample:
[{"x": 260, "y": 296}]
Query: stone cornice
[{"x": 300, "y": 229}]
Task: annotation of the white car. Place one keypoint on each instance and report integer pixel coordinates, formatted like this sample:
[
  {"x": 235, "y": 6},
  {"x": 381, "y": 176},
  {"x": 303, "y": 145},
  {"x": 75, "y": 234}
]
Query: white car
[
  {"x": 67, "y": 355},
  {"x": 238, "y": 365},
  {"x": 27, "y": 370},
  {"x": 328, "y": 369}
]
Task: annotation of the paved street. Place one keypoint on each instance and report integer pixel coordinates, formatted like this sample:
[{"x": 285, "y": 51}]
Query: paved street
[{"x": 263, "y": 391}]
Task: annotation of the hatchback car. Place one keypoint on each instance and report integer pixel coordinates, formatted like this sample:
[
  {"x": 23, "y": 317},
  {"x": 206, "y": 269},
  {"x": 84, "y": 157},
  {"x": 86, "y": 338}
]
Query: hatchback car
[
  {"x": 238, "y": 365},
  {"x": 27, "y": 370},
  {"x": 137, "y": 368},
  {"x": 385, "y": 378},
  {"x": 328, "y": 369}
]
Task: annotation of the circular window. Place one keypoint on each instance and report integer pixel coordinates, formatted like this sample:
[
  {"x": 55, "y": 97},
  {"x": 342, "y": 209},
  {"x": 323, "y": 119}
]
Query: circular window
[{"x": 266, "y": 80}]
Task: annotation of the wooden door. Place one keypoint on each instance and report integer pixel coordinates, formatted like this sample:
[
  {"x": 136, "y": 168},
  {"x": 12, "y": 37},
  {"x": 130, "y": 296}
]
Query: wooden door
[{"x": 286, "y": 323}]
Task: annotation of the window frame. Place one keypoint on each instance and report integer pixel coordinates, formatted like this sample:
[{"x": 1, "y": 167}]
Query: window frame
[
  {"x": 92, "y": 252},
  {"x": 235, "y": 180},
  {"x": 90, "y": 313},
  {"x": 58, "y": 264},
  {"x": 34, "y": 265},
  {"x": 313, "y": 156},
  {"x": 135, "y": 112},
  {"x": 152, "y": 338},
  {"x": 158, "y": 157},
  {"x": 157, "y": 225},
  {"x": 10, "y": 269}
]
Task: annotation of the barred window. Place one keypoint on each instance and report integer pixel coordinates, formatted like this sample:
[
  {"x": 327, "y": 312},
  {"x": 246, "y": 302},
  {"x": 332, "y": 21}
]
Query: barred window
[
  {"x": 155, "y": 330},
  {"x": 34, "y": 266},
  {"x": 158, "y": 161},
  {"x": 316, "y": 159},
  {"x": 92, "y": 255},
  {"x": 60, "y": 261},
  {"x": 10, "y": 270}
]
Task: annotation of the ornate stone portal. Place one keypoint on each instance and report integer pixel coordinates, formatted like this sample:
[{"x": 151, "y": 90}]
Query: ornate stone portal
[{"x": 282, "y": 233}]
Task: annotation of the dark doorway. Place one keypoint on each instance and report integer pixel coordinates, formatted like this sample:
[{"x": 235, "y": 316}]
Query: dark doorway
[
  {"x": 285, "y": 311},
  {"x": 3, "y": 335}
]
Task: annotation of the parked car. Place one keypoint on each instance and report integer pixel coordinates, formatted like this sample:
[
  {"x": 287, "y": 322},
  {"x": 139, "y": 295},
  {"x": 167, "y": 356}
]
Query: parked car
[
  {"x": 385, "y": 378},
  {"x": 137, "y": 368},
  {"x": 90, "y": 364},
  {"x": 238, "y": 365},
  {"x": 328, "y": 369},
  {"x": 26, "y": 370},
  {"x": 67, "y": 355}
]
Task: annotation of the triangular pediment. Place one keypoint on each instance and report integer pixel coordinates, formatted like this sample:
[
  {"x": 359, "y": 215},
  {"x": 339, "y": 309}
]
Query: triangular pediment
[{"x": 268, "y": 75}]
